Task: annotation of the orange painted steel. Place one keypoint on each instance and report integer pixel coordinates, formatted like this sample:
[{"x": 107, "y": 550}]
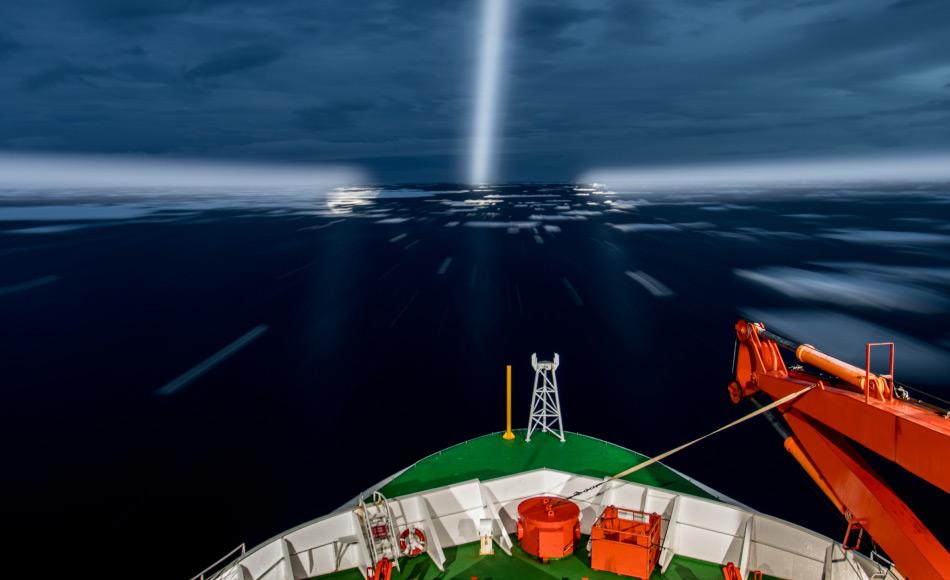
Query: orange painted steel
[
  {"x": 796, "y": 451},
  {"x": 625, "y": 542},
  {"x": 731, "y": 572},
  {"x": 854, "y": 404},
  {"x": 547, "y": 528},
  {"x": 870, "y": 503},
  {"x": 861, "y": 378},
  {"x": 384, "y": 570}
]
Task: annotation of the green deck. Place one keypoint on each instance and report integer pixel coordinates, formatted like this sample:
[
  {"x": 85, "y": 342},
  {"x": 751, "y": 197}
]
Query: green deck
[
  {"x": 464, "y": 562},
  {"x": 490, "y": 456}
]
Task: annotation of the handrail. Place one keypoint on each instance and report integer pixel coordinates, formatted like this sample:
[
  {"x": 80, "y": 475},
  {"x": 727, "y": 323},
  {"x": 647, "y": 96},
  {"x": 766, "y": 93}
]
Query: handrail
[
  {"x": 201, "y": 575},
  {"x": 867, "y": 369},
  {"x": 392, "y": 529},
  {"x": 367, "y": 529}
]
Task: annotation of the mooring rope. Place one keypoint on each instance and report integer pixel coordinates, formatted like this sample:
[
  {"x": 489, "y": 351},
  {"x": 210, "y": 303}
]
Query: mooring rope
[{"x": 666, "y": 454}]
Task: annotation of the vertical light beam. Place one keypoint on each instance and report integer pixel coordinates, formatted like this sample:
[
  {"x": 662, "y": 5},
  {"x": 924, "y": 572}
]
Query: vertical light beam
[{"x": 494, "y": 22}]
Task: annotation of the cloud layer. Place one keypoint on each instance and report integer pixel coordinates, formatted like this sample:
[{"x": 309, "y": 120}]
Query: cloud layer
[{"x": 387, "y": 84}]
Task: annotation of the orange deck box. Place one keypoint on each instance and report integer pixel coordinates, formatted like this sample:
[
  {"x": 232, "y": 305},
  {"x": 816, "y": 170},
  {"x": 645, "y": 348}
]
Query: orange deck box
[{"x": 625, "y": 542}]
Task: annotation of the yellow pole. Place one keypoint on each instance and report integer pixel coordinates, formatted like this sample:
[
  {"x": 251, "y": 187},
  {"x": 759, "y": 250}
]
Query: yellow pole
[{"x": 508, "y": 434}]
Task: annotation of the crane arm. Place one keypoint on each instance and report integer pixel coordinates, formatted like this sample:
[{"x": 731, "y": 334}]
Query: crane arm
[{"x": 857, "y": 405}]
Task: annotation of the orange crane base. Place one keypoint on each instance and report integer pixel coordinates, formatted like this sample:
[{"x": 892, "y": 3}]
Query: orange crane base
[{"x": 851, "y": 404}]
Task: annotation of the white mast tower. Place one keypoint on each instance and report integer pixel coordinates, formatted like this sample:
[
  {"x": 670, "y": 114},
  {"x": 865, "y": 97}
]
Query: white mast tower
[{"x": 545, "y": 403}]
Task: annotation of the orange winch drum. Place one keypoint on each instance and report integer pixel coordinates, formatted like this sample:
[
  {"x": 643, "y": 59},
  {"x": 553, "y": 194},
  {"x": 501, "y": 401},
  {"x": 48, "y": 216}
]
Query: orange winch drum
[{"x": 548, "y": 527}]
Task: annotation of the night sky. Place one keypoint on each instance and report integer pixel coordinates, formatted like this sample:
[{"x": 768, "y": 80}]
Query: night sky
[{"x": 386, "y": 85}]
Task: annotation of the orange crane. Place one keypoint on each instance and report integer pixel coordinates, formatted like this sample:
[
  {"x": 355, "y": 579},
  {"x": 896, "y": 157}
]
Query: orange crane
[{"x": 853, "y": 405}]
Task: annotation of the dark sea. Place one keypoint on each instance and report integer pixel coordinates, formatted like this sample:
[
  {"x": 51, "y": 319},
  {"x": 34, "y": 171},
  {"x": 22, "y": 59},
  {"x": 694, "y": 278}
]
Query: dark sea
[{"x": 182, "y": 372}]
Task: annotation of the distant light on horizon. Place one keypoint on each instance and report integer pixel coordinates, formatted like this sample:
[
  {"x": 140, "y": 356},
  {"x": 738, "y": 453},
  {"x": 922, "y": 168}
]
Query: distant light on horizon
[
  {"x": 857, "y": 170},
  {"x": 488, "y": 88},
  {"x": 61, "y": 170}
]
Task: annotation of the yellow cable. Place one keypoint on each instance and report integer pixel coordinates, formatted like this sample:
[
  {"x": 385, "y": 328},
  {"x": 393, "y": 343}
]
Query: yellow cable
[{"x": 666, "y": 454}]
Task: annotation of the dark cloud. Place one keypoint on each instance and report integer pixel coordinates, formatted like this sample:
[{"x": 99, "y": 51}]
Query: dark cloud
[
  {"x": 61, "y": 74},
  {"x": 756, "y": 9},
  {"x": 134, "y": 51},
  {"x": 8, "y": 46},
  {"x": 235, "y": 60},
  {"x": 905, "y": 4},
  {"x": 333, "y": 116},
  {"x": 132, "y": 9},
  {"x": 145, "y": 11},
  {"x": 635, "y": 23},
  {"x": 550, "y": 20}
]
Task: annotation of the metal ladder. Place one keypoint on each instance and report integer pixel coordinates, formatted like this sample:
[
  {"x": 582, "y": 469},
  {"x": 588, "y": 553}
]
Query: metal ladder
[{"x": 379, "y": 529}]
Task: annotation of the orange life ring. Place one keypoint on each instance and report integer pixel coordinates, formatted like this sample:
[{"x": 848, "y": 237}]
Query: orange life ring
[{"x": 412, "y": 542}]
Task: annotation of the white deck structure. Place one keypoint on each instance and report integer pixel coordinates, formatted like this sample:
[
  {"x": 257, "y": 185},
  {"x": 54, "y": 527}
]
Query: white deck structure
[{"x": 693, "y": 527}]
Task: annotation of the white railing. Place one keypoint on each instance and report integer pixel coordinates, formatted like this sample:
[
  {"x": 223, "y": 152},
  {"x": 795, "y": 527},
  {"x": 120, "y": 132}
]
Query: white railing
[
  {"x": 218, "y": 564},
  {"x": 694, "y": 527}
]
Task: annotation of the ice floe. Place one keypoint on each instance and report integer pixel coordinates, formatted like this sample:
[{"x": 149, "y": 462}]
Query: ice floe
[
  {"x": 28, "y": 285},
  {"x": 57, "y": 229},
  {"x": 885, "y": 237},
  {"x": 640, "y": 227},
  {"x": 846, "y": 289},
  {"x": 502, "y": 224},
  {"x": 72, "y": 212},
  {"x": 651, "y": 284},
  {"x": 556, "y": 217}
]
